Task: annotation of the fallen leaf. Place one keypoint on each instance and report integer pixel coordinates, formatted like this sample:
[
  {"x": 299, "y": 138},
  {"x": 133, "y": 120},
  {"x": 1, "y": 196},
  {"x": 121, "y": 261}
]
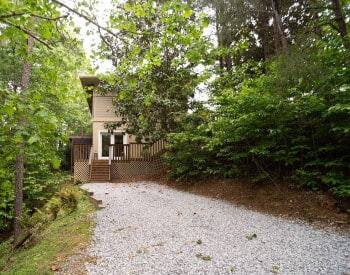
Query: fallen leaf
[
  {"x": 251, "y": 237},
  {"x": 55, "y": 267}
]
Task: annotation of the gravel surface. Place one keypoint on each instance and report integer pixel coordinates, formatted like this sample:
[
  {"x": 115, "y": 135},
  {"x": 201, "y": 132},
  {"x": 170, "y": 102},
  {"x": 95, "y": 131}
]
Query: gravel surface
[{"x": 147, "y": 228}]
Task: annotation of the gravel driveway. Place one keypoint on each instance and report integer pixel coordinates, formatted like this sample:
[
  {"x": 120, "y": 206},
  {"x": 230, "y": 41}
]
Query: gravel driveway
[{"x": 147, "y": 228}]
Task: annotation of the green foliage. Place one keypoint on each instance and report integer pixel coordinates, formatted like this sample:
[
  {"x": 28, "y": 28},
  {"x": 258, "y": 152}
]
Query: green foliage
[
  {"x": 292, "y": 121},
  {"x": 53, "y": 206},
  {"x": 44, "y": 115},
  {"x": 155, "y": 59},
  {"x": 56, "y": 240},
  {"x": 279, "y": 101},
  {"x": 69, "y": 196},
  {"x": 180, "y": 156},
  {"x": 64, "y": 201}
]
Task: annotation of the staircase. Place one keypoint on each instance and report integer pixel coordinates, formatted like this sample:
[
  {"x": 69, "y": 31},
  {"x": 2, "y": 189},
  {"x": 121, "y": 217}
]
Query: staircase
[{"x": 100, "y": 171}]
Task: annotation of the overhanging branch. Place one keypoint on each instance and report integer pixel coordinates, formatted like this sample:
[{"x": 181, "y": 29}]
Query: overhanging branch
[
  {"x": 16, "y": 14},
  {"x": 92, "y": 21},
  {"x": 85, "y": 17},
  {"x": 26, "y": 32}
]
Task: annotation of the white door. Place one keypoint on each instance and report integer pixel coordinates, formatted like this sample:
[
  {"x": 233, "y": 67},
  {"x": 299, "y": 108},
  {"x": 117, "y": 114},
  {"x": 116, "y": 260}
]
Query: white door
[{"x": 105, "y": 139}]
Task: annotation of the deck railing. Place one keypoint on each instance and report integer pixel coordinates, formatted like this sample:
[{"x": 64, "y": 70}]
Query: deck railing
[
  {"x": 81, "y": 152},
  {"x": 137, "y": 151},
  {"x": 91, "y": 155}
]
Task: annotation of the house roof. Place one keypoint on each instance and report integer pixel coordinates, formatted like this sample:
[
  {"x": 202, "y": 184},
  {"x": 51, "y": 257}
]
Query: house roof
[{"x": 88, "y": 81}]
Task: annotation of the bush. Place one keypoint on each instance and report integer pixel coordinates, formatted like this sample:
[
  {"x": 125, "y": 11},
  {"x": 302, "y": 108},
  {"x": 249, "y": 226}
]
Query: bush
[
  {"x": 63, "y": 202},
  {"x": 53, "y": 207},
  {"x": 69, "y": 196},
  {"x": 39, "y": 187},
  {"x": 275, "y": 125},
  {"x": 6, "y": 204}
]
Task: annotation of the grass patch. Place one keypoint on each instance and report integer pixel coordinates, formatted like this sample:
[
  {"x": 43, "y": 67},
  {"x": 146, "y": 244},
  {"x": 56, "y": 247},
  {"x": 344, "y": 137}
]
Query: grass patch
[{"x": 60, "y": 239}]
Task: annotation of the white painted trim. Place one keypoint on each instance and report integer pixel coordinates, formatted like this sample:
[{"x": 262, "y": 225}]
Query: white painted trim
[
  {"x": 99, "y": 141},
  {"x": 99, "y": 144}
]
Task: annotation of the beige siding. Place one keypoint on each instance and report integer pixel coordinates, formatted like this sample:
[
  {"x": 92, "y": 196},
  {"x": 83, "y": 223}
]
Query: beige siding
[{"x": 103, "y": 111}]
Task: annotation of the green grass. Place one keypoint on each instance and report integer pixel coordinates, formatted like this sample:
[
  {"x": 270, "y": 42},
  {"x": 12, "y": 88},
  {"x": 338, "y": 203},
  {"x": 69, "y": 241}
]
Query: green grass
[{"x": 61, "y": 238}]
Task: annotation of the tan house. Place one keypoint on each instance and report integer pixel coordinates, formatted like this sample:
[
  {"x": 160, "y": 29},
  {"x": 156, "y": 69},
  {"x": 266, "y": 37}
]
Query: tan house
[{"x": 110, "y": 154}]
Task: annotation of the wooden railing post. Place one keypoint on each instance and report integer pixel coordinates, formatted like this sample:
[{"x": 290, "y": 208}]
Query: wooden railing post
[{"x": 110, "y": 154}]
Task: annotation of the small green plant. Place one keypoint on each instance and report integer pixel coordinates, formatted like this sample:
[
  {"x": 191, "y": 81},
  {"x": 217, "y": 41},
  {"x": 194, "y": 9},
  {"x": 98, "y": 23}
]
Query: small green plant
[
  {"x": 251, "y": 237},
  {"x": 275, "y": 269},
  {"x": 142, "y": 250},
  {"x": 203, "y": 257},
  {"x": 78, "y": 182},
  {"x": 53, "y": 207},
  {"x": 69, "y": 196}
]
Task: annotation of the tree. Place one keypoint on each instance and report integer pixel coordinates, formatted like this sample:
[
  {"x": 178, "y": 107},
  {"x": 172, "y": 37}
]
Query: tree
[
  {"x": 340, "y": 19},
  {"x": 27, "y": 95},
  {"x": 155, "y": 55},
  {"x": 280, "y": 98},
  {"x": 278, "y": 27},
  {"x": 21, "y": 148}
]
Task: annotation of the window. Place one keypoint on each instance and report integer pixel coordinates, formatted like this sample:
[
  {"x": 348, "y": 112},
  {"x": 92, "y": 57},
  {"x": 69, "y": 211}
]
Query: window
[{"x": 105, "y": 144}]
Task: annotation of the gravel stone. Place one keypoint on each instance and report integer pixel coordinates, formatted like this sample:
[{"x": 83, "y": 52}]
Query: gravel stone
[{"x": 147, "y": 228}]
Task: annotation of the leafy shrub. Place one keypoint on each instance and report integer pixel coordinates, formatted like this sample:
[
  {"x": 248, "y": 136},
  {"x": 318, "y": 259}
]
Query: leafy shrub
[
  {"x": 65, "y": 200},
  {"x": 289, "y": 122},
  {"x": 38, "y": 219},
  {"x": 69, "y": 196},
  {"x": 6, "y": 204},
  {"x": 53, "y": 206}
]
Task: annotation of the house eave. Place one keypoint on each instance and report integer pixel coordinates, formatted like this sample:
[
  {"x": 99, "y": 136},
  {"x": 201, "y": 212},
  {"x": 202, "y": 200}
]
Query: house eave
[{"x": 88, "y": 82}]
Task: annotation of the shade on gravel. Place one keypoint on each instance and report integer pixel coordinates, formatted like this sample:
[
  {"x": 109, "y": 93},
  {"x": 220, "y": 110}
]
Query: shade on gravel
[{"x": 147, "y": 228}]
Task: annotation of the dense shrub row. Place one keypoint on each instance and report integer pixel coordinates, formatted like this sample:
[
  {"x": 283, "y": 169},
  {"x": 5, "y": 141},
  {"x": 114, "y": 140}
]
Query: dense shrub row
[{"x": 287, "y": 118}]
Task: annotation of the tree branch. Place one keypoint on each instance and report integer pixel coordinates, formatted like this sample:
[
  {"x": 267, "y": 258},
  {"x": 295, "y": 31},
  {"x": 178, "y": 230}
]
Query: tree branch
[
  {"x": 14, "y": 14},
  {"x": 93, "y": 21},
  {"x": 49, "y": 18},
  {"x": 27, "y": 32},
  {"x": 85, "y": 17}
]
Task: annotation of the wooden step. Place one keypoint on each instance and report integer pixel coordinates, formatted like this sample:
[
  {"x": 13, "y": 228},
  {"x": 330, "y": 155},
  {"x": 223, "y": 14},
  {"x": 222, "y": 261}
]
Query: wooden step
[
  {"x": 100, "y": 176},
  {"x": 99, "y": 167},
  {"x": 99, "y": 179},
  {"x": 99, "y": 162},
  {"x": 100, "y": 171}
]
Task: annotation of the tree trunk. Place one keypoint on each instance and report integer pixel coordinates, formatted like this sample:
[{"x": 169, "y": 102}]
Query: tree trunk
[
  {"x": 263, "y": 30},
  {"x": 18, "y": 193},
  {"x": 20, "y": 155},
  {"x": 278, "y": 25},
  {"x": 218, "y": 33},
  {"x": 223, "y": 36},
  {"x": 276, "y": 40},
  {"x": 339, "y": 18}
]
